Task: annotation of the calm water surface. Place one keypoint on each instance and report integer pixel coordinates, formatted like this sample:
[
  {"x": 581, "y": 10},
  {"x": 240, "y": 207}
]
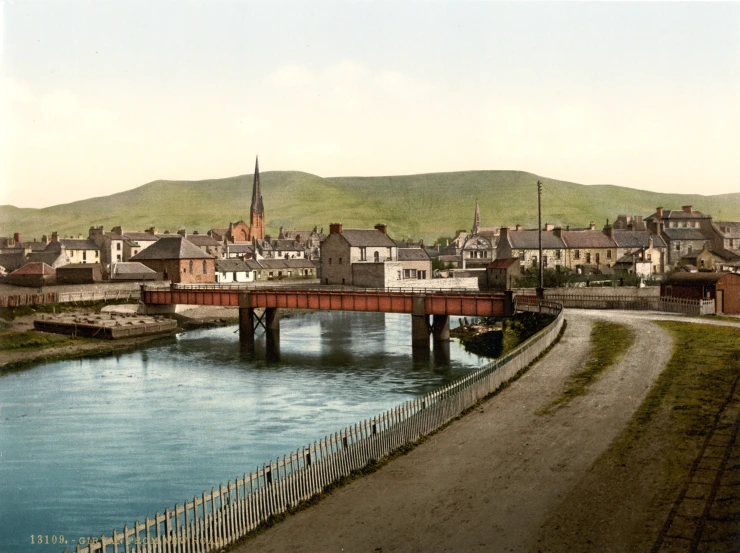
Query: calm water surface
[{"x": 90, "y": 445}]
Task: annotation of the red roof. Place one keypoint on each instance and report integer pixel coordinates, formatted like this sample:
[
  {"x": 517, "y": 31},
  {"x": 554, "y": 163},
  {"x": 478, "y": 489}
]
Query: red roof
[
  {"x": 34, "y": 268},
  {"x": 503, "y": 263}
]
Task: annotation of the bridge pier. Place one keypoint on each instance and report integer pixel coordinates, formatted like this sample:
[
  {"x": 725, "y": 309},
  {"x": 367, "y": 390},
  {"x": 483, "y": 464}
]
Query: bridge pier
[{"x": 441, "y": 328}]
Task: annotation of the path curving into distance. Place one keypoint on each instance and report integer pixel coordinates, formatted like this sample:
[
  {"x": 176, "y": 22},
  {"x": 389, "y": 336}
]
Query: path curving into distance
[{"x": 490, "y": 481}]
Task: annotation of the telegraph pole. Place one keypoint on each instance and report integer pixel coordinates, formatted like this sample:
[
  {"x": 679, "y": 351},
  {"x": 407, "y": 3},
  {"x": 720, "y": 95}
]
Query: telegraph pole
[{"x": 541, "y": 288}]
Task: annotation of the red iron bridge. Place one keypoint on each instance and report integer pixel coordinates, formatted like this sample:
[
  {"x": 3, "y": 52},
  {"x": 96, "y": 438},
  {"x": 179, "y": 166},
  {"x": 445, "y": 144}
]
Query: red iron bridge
[{"x": 421, "y": 304}]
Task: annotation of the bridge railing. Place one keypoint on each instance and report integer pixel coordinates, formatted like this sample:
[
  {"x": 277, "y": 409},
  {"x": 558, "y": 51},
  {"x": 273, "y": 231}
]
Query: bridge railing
[
  {"x": 222, "y": 516},
  {"x": 313, "y": 288}
]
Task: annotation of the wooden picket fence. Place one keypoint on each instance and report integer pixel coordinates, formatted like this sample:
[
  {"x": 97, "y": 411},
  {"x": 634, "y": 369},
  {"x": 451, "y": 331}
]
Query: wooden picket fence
[
  {"x": 18, "y": 300},
  {"x": 216, "y": 519}
]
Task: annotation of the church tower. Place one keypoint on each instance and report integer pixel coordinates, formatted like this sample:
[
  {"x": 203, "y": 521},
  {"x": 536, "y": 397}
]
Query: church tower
[
  {"x": 476, "y": 220},
  {"x": 257, "y": 211}
]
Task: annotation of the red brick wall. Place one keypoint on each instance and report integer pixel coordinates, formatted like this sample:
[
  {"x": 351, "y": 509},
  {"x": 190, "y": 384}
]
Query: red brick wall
[
  {"x": 730, "y": 284},
  {"x": 178, "y": 270}
]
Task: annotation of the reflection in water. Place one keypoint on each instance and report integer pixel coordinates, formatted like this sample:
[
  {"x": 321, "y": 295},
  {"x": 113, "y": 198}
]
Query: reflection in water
[{"x": 88, "y": 445}]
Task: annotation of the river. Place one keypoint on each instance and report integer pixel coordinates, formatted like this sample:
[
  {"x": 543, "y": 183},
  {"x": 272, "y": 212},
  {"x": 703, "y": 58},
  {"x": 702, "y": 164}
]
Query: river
[{"x": 90, "y": 445}]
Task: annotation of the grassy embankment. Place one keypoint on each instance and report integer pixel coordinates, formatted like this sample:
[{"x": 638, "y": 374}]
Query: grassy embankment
[
  {"x": 633, "y": 485},
  {"x": 609, "y": 343}
]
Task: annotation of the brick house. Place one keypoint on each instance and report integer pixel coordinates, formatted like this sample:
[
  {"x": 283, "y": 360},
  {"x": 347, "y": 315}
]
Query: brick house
[
  {"x": 723, "y": 288},
  {"x": 359, "y": 257},
  {"x": 524, "y": 245},
  {"x": 177, "y": 260},
  {"x": 206, "y": 243}
]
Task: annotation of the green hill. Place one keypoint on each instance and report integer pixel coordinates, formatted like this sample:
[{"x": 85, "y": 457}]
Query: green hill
[{"x": 419, "y": 206}]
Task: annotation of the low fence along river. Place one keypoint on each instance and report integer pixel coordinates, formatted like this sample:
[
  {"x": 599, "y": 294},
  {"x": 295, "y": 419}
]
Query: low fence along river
[{"x": 87, "y": 446}]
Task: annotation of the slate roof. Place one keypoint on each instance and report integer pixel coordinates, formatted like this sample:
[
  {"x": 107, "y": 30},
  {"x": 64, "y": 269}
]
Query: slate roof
[
  {"x": 240, "y": 248},
  {"x": 232, "y": 265},
  {"x": 48, "y": 257},
  {"x": 412, "y": 254},
  {"x": 172, "y": 246},
  {"x": 140, "y": 236},
  {"x": 502, "y": 263},
  {"x": 77, "y": 244},
  {"x": 684, "y": 234},
  {"x": 202, "y": 240},
  {"x": 636, "y": 239},
  {"x": 727, "y": 229},
  {"x": 528, "y": 240},
  {"x": 130, "y": 267},
  {"x": 12, "y": 261},
  {"x": 726, "y": 254},
  {"x": 361, "y": 238},
  {"x": 72, "y": 266},
  {"x": 34, "y": 269},
  {"x": 587, "y": 239},
  {"x": 286, "y": 245},
  {"x": 449, "y": 258},
  {"x": 695, "y": 278},
  {"x": 677, "y": 214}
]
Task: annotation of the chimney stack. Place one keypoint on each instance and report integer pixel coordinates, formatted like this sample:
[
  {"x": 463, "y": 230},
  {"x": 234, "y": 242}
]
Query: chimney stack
[
  {"x": 117, "y": 230},
  {"x": 549, "y": 226},
  {"x": 382, "y": 227},
  {"x": 558, "y": 232},
  {"x": 519, "y": 227},
  {"x": 659, "y": 212},
  {"x": 17, "y": 238},
  {"x": 152, "y": 230},
  {"x": 182, "y": 232},
  {"x": 688, "y": 208},
  {"x": 592, "y": 226},
  {"x": 55, "y": 236},
  {"x": 335, "y": 228},
  {"x": 504, "y": 235}
]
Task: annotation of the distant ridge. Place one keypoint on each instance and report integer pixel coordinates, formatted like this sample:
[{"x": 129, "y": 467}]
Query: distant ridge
[{"x": 418, "y": 206}]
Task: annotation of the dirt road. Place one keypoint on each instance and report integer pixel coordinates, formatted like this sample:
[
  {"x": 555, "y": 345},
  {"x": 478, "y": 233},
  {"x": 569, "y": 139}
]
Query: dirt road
[{"x": 492, "y": 480}]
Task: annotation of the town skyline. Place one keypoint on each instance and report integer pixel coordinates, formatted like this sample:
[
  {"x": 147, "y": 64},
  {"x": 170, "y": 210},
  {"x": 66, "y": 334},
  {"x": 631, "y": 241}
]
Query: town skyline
[{"x": 98, "y": 99}]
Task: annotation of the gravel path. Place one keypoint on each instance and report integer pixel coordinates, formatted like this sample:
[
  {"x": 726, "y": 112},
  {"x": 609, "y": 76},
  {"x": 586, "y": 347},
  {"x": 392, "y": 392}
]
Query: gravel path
[{"x": 489, "y": 481}]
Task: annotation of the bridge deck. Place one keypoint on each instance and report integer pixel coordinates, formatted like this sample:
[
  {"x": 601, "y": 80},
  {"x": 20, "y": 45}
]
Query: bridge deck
[{"x": 434, "y": 302}]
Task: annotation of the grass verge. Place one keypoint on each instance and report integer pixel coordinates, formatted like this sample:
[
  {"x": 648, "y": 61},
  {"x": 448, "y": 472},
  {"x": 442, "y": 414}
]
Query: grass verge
[
  {"x": 609, "y": 343},
  {"x": 376, "y": 464}
]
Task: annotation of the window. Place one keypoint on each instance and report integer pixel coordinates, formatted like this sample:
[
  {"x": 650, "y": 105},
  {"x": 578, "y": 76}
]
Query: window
[
  {"x": 544, "y": 261},
  {"x": 678, "y": 246},
  {"x": 340, "y": 260},
  {"x": 205, "y": 269},
  {"x": 191, "y": 266},
  {"x": 118, "y": 257},
  {"x": 557, "y": 254},
  {"x": 608, "y": 254},
  {"x": 409, "y": 273},
  {"x": 588, "y": 257},
  {"x": 84, "y": 256},
  {"x": 690, "y": 249},
  {"x": 234, "y": 277},
  {"x": 422, "y": 275},
  {"x": 521, "y": 255},
  {"x": 598, "y": 258},
  {"x": 376, "y": 257},
  {"x": 118, "y": 246},
  {"x": 363, "y": 254},
  {"x": 390, "y": 254},
  {"x": 578, "y": 254},
  {"x": 669, "y": 290},
  {"x": 534, "y": 261}
]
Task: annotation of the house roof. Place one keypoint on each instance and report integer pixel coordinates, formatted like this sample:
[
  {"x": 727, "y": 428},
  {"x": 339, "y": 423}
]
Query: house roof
[
  {"x": 725, "y": 254},
  {"x": 34, "y": 268},
  {"x": 636, "y": 239},
  {"x": 677, "y": 214},
  {"x": 48, "y": 257},
  {"x": 286, "y": 245},
  {"x": 587, "y": 239},
  {"x": 73, "y": 266},
  {"x": 684, "y": 234},
  {"x": 412, "y": 254},
  {"x": 140, "y": 236},
  {"x": 172, "y": 246},
  {"x": 12, "y": 260},
  {"x": 77, "y": 244},
  {"x": 202, "y": 240},
  {"x": 130, "y": 268},
  {"x": 502, "y": 263},
  {"x": 232, "y": 265},
  {"x": 528, "y": 240},
  {"x": 239, "y": 248},
  {"x": 696, "y": 278},
  {"x": 361, "y": 238},
  {"x": 727, "y": 229},
  {"x": 449, "y": 258}
]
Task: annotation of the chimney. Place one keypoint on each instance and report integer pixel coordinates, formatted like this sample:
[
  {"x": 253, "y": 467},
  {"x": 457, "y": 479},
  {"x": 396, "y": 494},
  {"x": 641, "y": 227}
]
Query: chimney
[
  {"x": 382, "y": 227},
  {"x": 659, "y": 212},
  {"x": 519, "y": 227},
  {"x": 45, "y": 239},
  {"x": 117, "y": 230},
  {"x": 152, "y": 230},
  {"x": 567, "y": 227},
  {"x": 688, "y": 208},
  {"x": 182, "y": 232},
  {"x": 549, "y": 226},
  {"x": 335, "y": 228},
  {"x": 55, "y": 236},
  {"x": 558, "y": 232},
  {"x": 592, "y": 226},
  {"x": 504, "y": 236},
  {"x": 17, "y": 238}
]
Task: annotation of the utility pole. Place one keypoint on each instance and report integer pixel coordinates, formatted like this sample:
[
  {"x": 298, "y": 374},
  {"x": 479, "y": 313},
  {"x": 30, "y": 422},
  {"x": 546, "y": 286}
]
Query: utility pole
[{"x": 541, "y": 288}]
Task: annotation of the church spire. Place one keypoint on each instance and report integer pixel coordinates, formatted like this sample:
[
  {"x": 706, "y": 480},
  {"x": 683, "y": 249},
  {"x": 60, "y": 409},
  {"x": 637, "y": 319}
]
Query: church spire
[
  {"x": 476, "y": 221},
  {"x": 257, "y": 207}
]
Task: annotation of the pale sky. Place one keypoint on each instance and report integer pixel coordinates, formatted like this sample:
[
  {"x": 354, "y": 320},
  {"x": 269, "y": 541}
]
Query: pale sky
[{"x": 101, "y": 96}]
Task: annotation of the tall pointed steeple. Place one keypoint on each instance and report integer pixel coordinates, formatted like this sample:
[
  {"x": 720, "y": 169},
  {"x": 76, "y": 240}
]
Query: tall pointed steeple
[
  {"x": 257, "y": 211},
  {"x": 476, "y": 221},
  {"x": 257, "y": 206}
]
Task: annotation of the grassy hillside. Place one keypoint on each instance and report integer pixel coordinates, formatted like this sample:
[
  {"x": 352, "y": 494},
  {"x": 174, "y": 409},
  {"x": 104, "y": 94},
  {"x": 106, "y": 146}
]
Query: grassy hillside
[{"x": 419, "y": 206}]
